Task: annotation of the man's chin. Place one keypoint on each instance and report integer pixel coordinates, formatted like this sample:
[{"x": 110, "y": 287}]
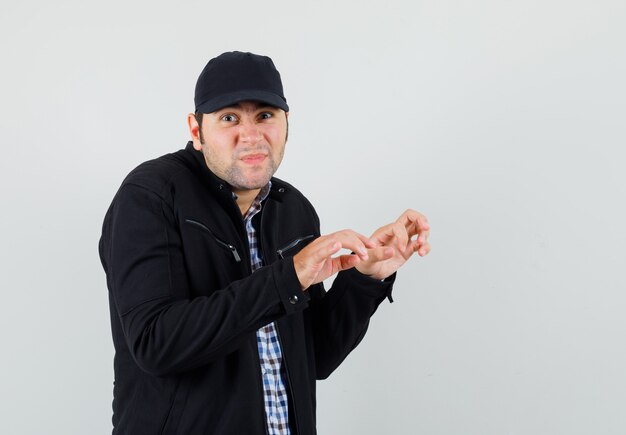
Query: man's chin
[
  {"x": 251, "y": 184},
  {"x": 251, "y": 179}
]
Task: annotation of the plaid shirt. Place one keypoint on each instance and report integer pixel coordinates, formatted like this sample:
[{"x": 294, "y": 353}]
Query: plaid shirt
[{"x": 270, "y": 355}]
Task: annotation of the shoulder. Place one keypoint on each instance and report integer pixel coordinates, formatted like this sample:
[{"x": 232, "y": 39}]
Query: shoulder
[
  {"x": 287, "y": 191},
  {"x": 290, "y": 196},
  {"x": 158, "y": 175}
]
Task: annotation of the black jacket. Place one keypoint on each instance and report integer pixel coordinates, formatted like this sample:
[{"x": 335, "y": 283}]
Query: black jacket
[{"x": 185, "y": 307}]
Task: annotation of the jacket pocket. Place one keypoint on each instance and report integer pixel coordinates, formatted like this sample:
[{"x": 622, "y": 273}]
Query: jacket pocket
[
  {"x": 177, "y": 408},
  {"x": 291, "y": 246},
  {"x": 220, "y": 242}
]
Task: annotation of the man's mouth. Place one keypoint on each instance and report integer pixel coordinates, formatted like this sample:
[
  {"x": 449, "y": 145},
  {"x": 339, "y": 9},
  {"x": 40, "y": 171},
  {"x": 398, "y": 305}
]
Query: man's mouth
[{"x": 254, "y": 159}]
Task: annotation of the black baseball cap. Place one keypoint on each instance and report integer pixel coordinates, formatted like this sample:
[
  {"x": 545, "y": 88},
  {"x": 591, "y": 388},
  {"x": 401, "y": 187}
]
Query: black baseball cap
[{"x": 233, "y": 77}]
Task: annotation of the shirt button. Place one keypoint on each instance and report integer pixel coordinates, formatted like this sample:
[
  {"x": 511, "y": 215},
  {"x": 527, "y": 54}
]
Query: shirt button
[{"x": 293, "y": 299}]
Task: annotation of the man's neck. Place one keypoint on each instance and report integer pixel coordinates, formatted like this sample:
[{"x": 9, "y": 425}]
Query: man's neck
[{"x": 245, "y": 198}]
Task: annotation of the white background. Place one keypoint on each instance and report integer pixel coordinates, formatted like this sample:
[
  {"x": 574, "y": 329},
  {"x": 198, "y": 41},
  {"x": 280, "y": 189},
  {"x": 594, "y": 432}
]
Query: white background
[{"x": 502, "y": 121}]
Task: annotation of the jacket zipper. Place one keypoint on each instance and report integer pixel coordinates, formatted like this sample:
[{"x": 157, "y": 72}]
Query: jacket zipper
[
  {"x": 293, "y": 245},
  {"x": 228, "y": 246},
  {"x": 293, "y": 399},
  {"x": 258, "y": 357},
  {"x": 280, "y": 342}
]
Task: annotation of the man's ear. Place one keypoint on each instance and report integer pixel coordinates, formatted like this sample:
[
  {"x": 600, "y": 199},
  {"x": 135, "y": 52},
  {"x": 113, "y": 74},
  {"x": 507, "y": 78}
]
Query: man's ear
[{"x": 194, "y": 130}]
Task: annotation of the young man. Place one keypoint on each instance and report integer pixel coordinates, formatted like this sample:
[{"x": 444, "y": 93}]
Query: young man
[{"x": 220, "y": 321}]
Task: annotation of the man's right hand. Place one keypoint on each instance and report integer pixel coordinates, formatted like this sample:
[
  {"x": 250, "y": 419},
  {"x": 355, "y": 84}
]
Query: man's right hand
[{"x": 315, "y": 262}]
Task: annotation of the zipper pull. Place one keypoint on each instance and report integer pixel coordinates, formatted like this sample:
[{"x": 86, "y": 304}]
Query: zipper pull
[
  {"x": 293, "y": 245},
  {"x": 235, "y": 253}
]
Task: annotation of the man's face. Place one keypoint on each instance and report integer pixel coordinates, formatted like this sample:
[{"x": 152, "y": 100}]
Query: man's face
[{"x": 243, "y": 144}]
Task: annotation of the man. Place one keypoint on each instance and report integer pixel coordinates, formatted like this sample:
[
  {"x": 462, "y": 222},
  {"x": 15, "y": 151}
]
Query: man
[{"x": 220, "y": 321}]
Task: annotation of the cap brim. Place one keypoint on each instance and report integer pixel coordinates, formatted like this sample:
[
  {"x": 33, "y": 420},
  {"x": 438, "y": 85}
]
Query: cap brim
[{"x": 239, "y": 96}]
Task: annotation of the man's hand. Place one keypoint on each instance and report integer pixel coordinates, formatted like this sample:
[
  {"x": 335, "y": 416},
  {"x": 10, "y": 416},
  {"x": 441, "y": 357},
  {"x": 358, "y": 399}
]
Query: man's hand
[
  {"x": 395, "y": 244},
  {"x": 315, "y": 262}
]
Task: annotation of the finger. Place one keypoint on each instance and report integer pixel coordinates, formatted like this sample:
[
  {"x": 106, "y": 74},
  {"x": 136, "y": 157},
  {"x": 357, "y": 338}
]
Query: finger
[
  {"x": 411, "y": 248},
  {"x": 414, "y": 221},
  {"x": 366, "y": 241},
  {"x": 422, "y": 223},
  {"x": 401, "y": 234},
  {"x": 351, "y": 233},
  {"x": 325, "y": 249},
  {"x": 421, "y": 249},
  {"x": 423, "y": 237},
  {"x": 385, "y": 235},
  {"x": 424, "y": 250},
  {"x": 380, "y": 254},
  {"x": 354, "y": 241},
  {"x": 344, "y": 262}
]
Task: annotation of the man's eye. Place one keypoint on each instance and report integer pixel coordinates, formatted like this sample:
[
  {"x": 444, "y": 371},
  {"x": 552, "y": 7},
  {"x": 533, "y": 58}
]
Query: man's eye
[
  {"x": 229, "y": 118},
  {"x": 266, "y": 115}
]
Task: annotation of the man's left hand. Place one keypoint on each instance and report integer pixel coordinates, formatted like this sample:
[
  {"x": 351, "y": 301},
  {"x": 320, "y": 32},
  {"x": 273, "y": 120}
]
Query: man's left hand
[{"x": 395, "y": 244}]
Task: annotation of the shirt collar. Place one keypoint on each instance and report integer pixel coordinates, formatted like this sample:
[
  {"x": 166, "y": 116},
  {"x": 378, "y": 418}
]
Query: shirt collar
[
  {"x": 263, "y": 193},
  {"x": 255, "y": 207}
]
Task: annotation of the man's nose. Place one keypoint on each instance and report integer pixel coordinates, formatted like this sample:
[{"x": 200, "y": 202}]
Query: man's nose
[{"x": 249, "y": 132}]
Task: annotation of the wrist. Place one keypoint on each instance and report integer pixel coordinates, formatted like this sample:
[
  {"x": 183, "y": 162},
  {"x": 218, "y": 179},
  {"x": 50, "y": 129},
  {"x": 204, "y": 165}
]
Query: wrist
[{"x": 368, "y": 274}]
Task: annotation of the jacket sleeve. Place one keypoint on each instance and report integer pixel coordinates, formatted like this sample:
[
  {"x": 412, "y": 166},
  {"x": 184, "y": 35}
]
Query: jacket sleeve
[
  {"x": 341, "y": 316},
  {"x": 165, "y": 330}
]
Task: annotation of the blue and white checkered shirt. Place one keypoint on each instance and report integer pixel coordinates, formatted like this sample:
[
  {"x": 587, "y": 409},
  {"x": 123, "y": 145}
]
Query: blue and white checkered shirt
[{"x": 270, "y": 354}]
